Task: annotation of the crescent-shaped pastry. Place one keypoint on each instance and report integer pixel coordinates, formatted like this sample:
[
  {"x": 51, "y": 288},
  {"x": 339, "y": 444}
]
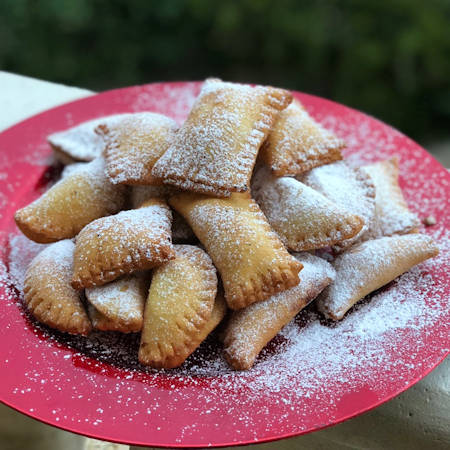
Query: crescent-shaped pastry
[
  {"x": 133, "y": 240},
  {"x": 369, "y": 266},
  {"x": 181, "y": 231},
  {"x": 134, "y": 144},
  {"x": 249, "y": 256},
  {"x": 250, "y": 329},
  {"x": 102, "y": 323},
  {"x": 81, "y": 143},
  {"x": 351, "y": 188},
  {"x": 48, "y": 293},
  {"x": 303, "y": 218},
  {"x": 298, "y": 143},
  {"x": 215, "y": 150},
  {"x": 392, "y": 215},
  {"x": 119, "y": 305},
  {"x": 69, "y": 205},
  {"x": 179, "y": 305}
]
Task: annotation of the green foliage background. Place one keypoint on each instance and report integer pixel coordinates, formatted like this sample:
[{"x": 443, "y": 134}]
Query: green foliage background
[{"x": 390, "y": 58}]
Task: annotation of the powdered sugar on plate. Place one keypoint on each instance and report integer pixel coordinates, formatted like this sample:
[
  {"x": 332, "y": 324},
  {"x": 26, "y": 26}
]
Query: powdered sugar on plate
[{"x": 303, "y": 378}]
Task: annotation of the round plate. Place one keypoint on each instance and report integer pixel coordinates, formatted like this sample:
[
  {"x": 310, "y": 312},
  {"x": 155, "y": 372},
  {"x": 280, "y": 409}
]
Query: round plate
[{"x": 314, "y": 374}]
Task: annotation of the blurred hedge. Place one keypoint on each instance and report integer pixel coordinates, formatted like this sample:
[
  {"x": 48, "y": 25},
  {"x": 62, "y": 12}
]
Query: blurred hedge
[{"x": 390, "y": 58}]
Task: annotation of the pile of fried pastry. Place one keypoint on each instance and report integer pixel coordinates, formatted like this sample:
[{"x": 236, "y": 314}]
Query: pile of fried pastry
[{"x": 242, "y": 215}]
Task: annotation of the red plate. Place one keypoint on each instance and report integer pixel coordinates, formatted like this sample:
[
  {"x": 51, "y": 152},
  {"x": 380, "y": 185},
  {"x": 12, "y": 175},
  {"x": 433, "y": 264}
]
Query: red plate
[{"x": 311, "y": 376}]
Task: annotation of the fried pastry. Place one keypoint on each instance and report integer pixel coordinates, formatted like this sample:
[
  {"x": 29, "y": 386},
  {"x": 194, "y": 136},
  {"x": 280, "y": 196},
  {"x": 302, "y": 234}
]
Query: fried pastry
[
  {"x": 369, "y": 266},
  {"x": 215, "y": 149},
  {"x": 249, "y": 256},
  {"x": 303, "y": 218},
  {"x": 179, "y": 305},
  {"x": 298, "y": 143},
  {"x": 134, "y": 144},
  {"x": 351, "y": 188},
  {"x": 48, "y": 294},
  {"x": 250, "y": 329},
  {"x": 181, "y": 231},
  {"x": 119, "y": 305},
  {"x": 81, "y": 143},
  {"x": 133, "y": 240},
  {"x": 392, "y": 215},
  {"x": 69, "y": 205},
  {"x": 102, "y": 323}
]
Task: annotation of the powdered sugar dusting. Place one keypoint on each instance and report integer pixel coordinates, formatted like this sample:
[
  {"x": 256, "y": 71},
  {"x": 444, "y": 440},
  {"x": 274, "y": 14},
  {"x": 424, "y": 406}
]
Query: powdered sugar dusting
[
  {"x": 350, "y": 188},
  {"x": 302, "y": 379},
  {"x": 303, "y": 218},
  {"x": 134, "y": 144},
  {"x": 215, "y": 149},
  {"x": 81, "y": 143}
]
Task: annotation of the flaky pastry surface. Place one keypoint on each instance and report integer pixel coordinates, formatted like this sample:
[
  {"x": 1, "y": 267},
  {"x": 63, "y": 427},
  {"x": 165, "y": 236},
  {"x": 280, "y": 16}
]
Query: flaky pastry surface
[
  {"x": 303, "y": 218},
  {"x": 249, "y": 256},
  {"x": 250, "y": 329},
  {"x": 215, "y": 149},
  {"x": 61, "y": 212},
  {"x": 298, "y": 143},
  {"x": 81, "y": 143},
  {"x": 392, "y": 215},
  {"x": 132, "y": 240},
  {"x": 348, "y": 187},
  {"x": 48, "y": 293},
  {"x": 119, "y": 305},
  {"x": 134, "y": 144},
  {"x": 179, "y": 305},
  {"x": 369, "y": 266}
]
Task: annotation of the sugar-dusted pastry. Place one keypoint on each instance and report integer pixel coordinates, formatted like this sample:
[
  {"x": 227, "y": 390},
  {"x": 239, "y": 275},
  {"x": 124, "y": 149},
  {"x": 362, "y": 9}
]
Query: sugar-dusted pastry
[
  {"x": 303, "y": 218},
  {"x": 249, "y": 256},
  {"x": 140, "y": 194},
  {"x": 132, "y": 240},
  {"x": 80, "y": 143},
  {"x": 179, "y": 305},
  {"x": 369, "y": 266},
  {"x": 181, "y": 231},
  {"x": 134, "y": 144},
  {"x": 392, "y": 215},
  {"x": 298, "y": 143},
  {"x": 71, "y": 168},
  {"x": 351, "y": 188},
  {"x": 61, "y": 212},
  {"x": 119, "y": 304},
  {"x": 250, "y": 329},
  {"x": 215, "y": 149},
  {"x": 102, "y": 323},
  {"x": 48, "y": 293}
]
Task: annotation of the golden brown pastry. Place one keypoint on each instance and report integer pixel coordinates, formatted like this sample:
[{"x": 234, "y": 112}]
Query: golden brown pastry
[
  {"x": 181, "y": 231},
  {"x": 119, "y": 305},
  {"x": 69, "y": 205},
  {"x": 137, "y": 239},
  {"x": 134, "y": 144},
  {"x": 179, "y": 305},
  {"x": 81, "y": 143},
  {"x": 48, "y": 293},
  {"x": 303, "y": 218},
  {"x": 350, "y": 188},
  {"x": 298, "y": 143},
  {"x": 392, "y": 215},
  {"x": 250, "y": 329},
  {"x": 102, "y": 323},
  {"x": 369, "y": 266},
  {"x": 215, "y": 149},
  {"x": 249, "y": 256}
]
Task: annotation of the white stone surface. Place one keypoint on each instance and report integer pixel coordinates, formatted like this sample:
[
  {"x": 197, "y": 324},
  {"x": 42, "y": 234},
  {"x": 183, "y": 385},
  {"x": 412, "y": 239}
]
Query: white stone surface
[
  {"x": 22, "y": 97},
  {"x": 418, "y": 419}
]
